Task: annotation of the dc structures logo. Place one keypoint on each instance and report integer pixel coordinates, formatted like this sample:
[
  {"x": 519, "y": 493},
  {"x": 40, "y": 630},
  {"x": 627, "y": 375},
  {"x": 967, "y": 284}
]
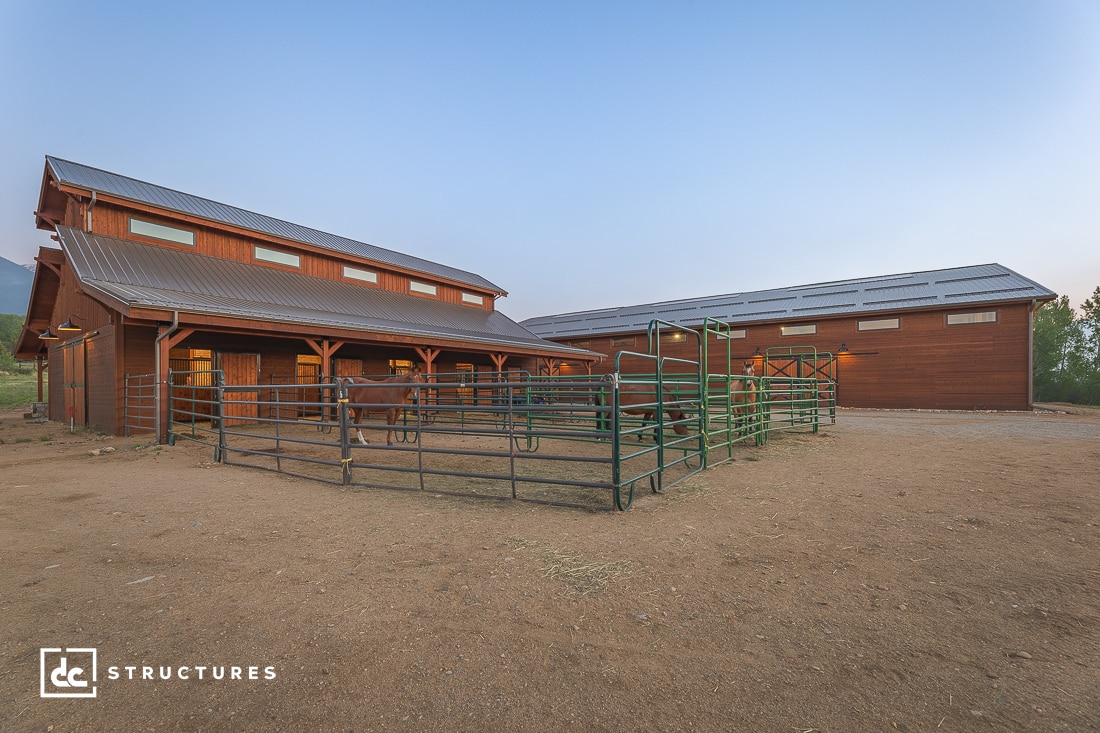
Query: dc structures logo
[{"x": 67, "y": 672}]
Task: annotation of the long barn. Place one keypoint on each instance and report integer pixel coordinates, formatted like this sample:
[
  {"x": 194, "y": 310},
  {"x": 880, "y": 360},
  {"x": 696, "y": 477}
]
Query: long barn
[
  {"x": 149, "y": 279},
  {"x": 955, "y": 339}
]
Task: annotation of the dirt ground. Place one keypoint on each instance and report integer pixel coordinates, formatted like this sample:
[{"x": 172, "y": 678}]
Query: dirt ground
[{"x": 911, "y": 571}]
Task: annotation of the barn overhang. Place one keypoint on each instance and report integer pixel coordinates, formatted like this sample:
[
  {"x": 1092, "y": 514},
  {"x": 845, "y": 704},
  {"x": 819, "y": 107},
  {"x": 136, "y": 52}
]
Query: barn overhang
[
  {"x": 44, "y": 292},
  {"x": 149, "y": 285}
]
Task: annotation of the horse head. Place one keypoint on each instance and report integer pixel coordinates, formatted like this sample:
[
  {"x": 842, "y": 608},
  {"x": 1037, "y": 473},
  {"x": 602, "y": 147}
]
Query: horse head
[{"x": 748, "y": 369}]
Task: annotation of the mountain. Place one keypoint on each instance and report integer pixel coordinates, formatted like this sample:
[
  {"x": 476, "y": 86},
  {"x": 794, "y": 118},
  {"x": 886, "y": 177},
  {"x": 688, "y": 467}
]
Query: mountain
[{"x": 15, "y": 287}]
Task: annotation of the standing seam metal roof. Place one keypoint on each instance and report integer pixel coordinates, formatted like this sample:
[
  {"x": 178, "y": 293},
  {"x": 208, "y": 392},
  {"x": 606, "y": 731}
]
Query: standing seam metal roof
[
  {"x": 143, "y": 275},
  {"x": 94, "y": 179},
  {"x": 961, "y": 286}
]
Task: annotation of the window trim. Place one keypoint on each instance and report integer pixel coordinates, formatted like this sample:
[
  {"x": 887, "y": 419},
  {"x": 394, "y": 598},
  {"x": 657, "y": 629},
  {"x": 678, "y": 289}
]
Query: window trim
[
  {"x": 276, "y": 257},
  {"x": 473, "y": 298},
  {"x": 359, "y": 275},
  {"x": 805, "y": 329},
  {"x": 419, "y": 288},
  {"x": 873, "y": 324},
  {"x": 160, "y": 232},
  {"x": 971, "y": 318}
]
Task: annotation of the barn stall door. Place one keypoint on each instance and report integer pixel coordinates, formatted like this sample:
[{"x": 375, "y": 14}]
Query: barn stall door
[
  {"x": 240, "y": 370},
  {"x": 75, "y": 402}
]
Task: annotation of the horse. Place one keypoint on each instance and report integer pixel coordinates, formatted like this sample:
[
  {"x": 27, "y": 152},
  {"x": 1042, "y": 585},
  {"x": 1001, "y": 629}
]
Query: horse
[
  {"x": 637, "y": 399},
  {"x": 743, "y": 393},
  {"x": 392, "y": 398}
]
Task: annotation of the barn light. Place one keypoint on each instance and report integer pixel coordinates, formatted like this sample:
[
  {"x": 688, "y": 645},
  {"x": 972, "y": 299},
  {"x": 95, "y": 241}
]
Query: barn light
[
  {"x": 48, "y": 335},
  {"x": 757, "y": 352},
  {"x": 68, "y": 325},
  {"x": 843, "y": 349}
]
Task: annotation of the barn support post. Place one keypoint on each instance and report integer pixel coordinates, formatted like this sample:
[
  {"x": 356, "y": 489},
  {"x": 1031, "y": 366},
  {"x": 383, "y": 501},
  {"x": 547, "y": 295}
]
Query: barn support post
[
  {"x": 40, "y": 363},
  {"x": 326, "y": 350},
  {"x": 428, "y": 354},
  {"x": 167, "y": 337},
  {"x": 498, "y": 361}
]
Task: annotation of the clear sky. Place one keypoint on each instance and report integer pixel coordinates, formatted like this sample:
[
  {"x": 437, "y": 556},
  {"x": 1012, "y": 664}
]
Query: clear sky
[{"x": 590, "y": 154}]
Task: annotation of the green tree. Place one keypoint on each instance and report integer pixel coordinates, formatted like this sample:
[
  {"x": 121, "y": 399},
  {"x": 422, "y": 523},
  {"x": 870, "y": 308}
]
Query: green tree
[
  {"x": 1089, "y": 327},
  {"x": 1056, "y": 341}
]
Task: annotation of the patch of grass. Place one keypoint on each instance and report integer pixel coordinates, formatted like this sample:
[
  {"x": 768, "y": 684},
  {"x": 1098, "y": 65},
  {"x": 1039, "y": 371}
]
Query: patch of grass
[{"x": 18, "y": 389}]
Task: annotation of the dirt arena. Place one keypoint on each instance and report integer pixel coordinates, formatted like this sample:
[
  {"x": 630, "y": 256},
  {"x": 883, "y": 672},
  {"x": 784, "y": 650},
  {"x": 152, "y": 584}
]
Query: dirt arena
[{"x": 910, "y": 571}]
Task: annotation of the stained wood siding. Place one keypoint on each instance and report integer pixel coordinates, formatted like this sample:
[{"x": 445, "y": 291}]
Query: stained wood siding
[
  {"x": 102, "y": 386},
  {"x": 925, "y": 364},
  {"x": 114, "y": 221}
]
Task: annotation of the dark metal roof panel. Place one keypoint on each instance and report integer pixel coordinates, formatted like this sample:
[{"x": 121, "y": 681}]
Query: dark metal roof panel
[
  {"x": 159, "y": 277},
  {"x": 101, "y": 181},
  {"x": 960, "y": 286}
]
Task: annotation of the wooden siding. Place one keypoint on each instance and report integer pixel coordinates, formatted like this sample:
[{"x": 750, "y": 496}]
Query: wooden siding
[
  {"x": 101, "y": 393},
  {"x": 925, "y": 364},
  {"x": 113, "y": 221}
]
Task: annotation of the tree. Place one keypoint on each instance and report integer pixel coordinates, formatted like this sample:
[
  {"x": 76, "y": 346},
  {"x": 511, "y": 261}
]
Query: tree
[
  {"x": 1066, "y": 354},
  {"x": 1089, "y": 326},
  {"x": 1056, "y": 336}
]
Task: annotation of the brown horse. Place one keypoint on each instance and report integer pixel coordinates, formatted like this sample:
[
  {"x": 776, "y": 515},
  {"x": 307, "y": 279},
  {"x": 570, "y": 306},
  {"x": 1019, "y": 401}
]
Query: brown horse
[
  {"x": 638, "y": 399},
  {"x": 743, "y": 393},
  {"x": 389, "y": 394}
]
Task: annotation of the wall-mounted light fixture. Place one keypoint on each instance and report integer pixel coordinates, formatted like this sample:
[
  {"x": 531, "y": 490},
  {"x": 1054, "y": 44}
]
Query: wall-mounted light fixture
[
  {"x": 757, "y": 352},
  {"x": 48, "y": 335},
  {"x": 68, "y": 325},
  {"x": 843, "y": 349}
]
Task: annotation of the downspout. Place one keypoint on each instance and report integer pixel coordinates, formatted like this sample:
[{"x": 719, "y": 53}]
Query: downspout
[
  {"x": 156, "y": 362},
  {"x": 88, "y": 214},
  {"x": 1031, "y": 355}
]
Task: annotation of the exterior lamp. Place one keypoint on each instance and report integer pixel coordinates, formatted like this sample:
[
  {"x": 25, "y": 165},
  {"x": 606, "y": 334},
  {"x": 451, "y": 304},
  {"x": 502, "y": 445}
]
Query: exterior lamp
[
  {"x": 843, "y": 348},
  {"x": 68, "y": 325},
  {"x": 757, "y": 352},
  {"x": 48, "y": 335}
]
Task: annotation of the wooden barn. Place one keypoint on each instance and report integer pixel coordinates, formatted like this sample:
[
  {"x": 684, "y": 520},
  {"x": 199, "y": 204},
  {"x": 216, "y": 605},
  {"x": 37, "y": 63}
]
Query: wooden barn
[
  {"x": 954, "y": 339},
  {"x": 148, "y": 278}
]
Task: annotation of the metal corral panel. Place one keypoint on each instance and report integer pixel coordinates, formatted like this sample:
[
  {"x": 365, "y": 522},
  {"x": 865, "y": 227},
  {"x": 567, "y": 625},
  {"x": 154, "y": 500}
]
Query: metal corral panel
[
  {"x": 93, "y": 179},
  {"x": 956, "y": 287},
  {"x": 147, "y": 276}
]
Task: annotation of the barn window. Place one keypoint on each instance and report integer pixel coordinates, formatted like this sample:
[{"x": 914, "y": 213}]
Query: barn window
[
  {"x": 809, "y": 330},
  {"x": 959, "y": 319},
  {"x": 621, "y": 342},
  {"x": 422, "y": 288},
  {"x": 160, "y": 231},
  {"x": 881, "y": 324},
  {"x": 581, "y": 344},
  {"x": 738, "y": 334},
  {"x": 356, "y": 273},
  {"x": 400, "y": 366},
  {"x": 277, "y": 256},
  {"x": 473, "y": 299},
  {"x": 676, "y": 337}
]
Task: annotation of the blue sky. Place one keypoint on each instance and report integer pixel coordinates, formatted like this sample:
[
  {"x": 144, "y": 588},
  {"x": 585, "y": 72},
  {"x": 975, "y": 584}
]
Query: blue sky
[{"x": 590, "y": 154}]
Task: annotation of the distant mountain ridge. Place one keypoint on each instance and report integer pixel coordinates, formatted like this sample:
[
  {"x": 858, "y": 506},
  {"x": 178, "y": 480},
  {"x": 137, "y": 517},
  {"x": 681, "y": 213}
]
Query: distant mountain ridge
[{"x": 15, "y": 287}]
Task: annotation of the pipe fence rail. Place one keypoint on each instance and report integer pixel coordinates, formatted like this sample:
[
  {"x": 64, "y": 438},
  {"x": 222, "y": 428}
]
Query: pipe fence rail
[
  {"x": 139, "y": 409},
  {"x": 569, "y": 441}
]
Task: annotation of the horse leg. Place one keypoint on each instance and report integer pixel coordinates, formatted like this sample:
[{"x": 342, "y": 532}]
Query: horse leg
[
  {"x": 391, "y": 422},
  {"x": 356, "y": 417}
]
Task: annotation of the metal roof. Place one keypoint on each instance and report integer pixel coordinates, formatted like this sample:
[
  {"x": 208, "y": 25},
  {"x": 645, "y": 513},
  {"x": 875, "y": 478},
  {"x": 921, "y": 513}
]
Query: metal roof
[
  {"x": 960, "y": 286},
  {"x": 94, "y": 179},
  {"x": 147, "y": 276}
]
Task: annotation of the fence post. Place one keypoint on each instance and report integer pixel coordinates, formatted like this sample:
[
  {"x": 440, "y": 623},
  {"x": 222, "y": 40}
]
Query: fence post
[
  {"x": 219, "y": 393},
  {"x": 345, "y": 438}
]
